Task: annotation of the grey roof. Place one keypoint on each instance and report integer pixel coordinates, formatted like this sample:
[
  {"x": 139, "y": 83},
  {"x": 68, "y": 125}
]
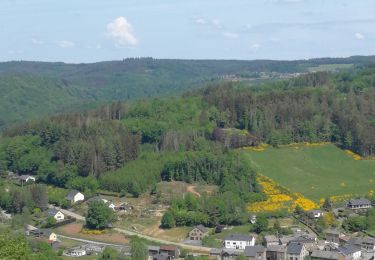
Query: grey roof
[
  {"x": 303, "y": 239},
  {"x": 271, "y": 238},
  {"x": 25, "y": 177},
  {"x": 52, "y": 212},
  {"x": 253, "y": 250},
  {"x": 202, "y": 228},
  {"x": 46, "y": 232},
  {"x": 348, "y": 249},
  {"x": 367, "y": 240},
  {"x": 71, "y": 194},
  {"x": 153, "y": 248},
  {"x": 332, "y": 231},
  {"x": 239, "y": 237},
  {"x": 294, "y": 248},
  {"x": 358, "y": 202},
  {"x": 325, "y": 254},
  {"x": 231, "y": 251},
  {"x": 276, "y": 248},
  {"x": 286, "y": 239}
]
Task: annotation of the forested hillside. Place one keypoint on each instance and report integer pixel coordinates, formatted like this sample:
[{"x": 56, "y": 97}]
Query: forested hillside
[
  {"x": 34, "y": 89},
  {"x": 128, "y": 147}
]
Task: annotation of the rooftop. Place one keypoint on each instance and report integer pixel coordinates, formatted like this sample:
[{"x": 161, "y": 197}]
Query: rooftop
[
  {"x": 239, "y": 237},
  {"x": 325, "y": 254},
  {"x": 276, "y": 248},
  {"x": 253, "y": 250},
  {"x": 202, "y": 228},
  {"x": 71, "y": 194},
  {"x": 294, "y": 248},
  {"x": 358, "y": 202},
  {"x": 271, "y": 238},
  {"x": 348, "y": 249}
]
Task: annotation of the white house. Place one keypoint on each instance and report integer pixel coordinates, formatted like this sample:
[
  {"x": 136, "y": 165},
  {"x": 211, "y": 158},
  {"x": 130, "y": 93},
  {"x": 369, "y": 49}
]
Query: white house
[
  {"x": 350, "y": 251},
  {"x": 315, "y": 213},
  {"x": 44, "y": 233},
  {"x": 77, "y": 252},
  {"x": 238, "y": 241},
  {"x": 75, "y": 196},
  {"x": 109, "y": 204},
  {"x": 361, "y": 203},
  {"x": 56, "y": 214},
  {"x": 26, "y": 178}
]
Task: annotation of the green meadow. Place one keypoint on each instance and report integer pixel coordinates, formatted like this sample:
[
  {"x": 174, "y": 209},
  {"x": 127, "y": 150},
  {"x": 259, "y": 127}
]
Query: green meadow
[{"x": 316, "y": 172}]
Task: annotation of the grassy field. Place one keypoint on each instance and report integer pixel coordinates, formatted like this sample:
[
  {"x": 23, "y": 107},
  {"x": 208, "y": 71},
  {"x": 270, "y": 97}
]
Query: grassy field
[{"x": 316, "y": 172}]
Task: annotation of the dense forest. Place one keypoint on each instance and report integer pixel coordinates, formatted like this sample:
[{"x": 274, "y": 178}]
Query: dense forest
[
  {"x": 35, "y": 89},
  {"x": 128, "y": 147}
]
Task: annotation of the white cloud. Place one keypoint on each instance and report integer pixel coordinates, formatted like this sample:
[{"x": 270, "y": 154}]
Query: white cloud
[
  {"x": 65, "y": 44},
  {"x": 200, "y": 20},
  {"x": 359, "y": 36},
  {"x": 255, "y": 46},
  {"x": 230, "y": 35},
  {"x": 37, "y": 41},
  {"x": 121, "y": 32}
]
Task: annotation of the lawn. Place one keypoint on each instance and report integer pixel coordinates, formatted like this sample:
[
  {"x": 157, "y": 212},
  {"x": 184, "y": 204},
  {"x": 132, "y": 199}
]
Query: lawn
[{"x": 316, "y": 172}]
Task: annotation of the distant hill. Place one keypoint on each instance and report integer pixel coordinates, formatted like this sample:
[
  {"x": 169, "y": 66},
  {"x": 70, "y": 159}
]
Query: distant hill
[{"x": 33, "y": 89}]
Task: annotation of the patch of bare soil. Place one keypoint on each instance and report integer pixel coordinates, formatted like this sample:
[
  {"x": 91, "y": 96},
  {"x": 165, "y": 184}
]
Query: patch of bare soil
[{"x": 74, "y": 230}]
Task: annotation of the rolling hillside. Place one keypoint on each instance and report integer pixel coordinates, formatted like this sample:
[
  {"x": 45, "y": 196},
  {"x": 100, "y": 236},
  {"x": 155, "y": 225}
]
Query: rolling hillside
[
  {"x": 34, "y": 89},
  {"x": 316, "y": 172}
]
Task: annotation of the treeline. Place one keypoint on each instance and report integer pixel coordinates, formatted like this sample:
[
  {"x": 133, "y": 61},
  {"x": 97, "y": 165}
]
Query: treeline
[
  {"x": 314, "y": 113},
  {"x": 68, "y": 151},
  {"x": 28, "y": 198}
]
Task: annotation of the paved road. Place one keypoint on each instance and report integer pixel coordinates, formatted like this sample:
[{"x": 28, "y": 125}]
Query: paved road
[
  {"x": 68, "y": 213},
  {"x": 161, "y": 241},
  {"x": 132, "y": 233},
  {"x": 72, "y": 214}
]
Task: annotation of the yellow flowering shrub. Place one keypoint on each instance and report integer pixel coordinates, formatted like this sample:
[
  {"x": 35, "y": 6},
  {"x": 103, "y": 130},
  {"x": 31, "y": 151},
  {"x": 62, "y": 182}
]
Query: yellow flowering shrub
[
  {"x": 259, "y": 148},
  {"x": 92, "y": 231},
  {"x": 355, "y": 156},
  {"x": 279, "y": 198}
]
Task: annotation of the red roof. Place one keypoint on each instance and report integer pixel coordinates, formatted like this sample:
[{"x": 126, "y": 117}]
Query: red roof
[{"x": 168, "y": 248}]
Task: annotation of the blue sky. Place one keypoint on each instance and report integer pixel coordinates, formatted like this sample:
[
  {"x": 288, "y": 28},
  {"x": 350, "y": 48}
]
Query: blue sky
[{"x": 93, "y": 30}]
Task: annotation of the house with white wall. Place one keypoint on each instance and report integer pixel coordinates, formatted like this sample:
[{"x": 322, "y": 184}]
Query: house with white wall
[{"x": 238, "y": 241}]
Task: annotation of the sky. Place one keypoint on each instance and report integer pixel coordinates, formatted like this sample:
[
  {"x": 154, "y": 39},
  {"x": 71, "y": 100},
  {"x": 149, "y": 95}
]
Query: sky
[{"x": 82, "y": 31}]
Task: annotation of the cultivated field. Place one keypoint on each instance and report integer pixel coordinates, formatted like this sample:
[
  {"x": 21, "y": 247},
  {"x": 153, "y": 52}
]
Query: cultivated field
[{"x": 315, "y": 171}]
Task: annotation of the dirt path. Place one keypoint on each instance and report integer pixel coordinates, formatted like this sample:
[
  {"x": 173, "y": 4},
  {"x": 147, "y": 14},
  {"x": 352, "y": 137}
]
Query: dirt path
[
  {"x": 74, "y": 227},
  {"x": 192, "y": 190}
]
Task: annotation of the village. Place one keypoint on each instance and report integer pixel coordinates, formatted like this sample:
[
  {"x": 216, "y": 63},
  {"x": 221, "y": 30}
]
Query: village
[{"x": 301, "y": 241}]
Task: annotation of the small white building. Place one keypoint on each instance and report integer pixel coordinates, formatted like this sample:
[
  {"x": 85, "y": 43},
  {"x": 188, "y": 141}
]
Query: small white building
[
  {"x": 109, "y": 204},
  {"x": 77, "y": 252},
  {"x": 75, "y": 196},
  {"x": 27, "y": 178},
  {"x": 238, "y": 241},
  {"x": 56, "y": 214},
  {"x": 315, "y": 213}
]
